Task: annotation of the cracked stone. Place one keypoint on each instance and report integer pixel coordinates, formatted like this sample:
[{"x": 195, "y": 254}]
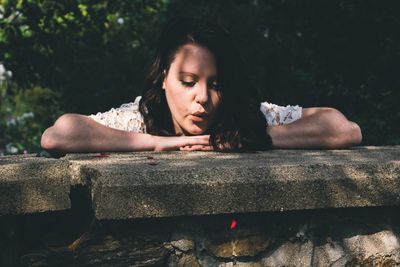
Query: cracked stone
[{"x": 243, "y": 243}]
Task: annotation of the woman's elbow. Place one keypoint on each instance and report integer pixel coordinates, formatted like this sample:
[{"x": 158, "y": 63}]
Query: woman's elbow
[
  {"x": 54, "y": 138},
  {"x": 354, "y": 135},
  {"x": 343, "y": 133},
  {"x": 347, "y": 133},
  {"x": 48, "y": 141}
]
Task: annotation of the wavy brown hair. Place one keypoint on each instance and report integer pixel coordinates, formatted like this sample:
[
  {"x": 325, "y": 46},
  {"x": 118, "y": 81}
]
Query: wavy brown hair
[{"x": 239, "y": 124}]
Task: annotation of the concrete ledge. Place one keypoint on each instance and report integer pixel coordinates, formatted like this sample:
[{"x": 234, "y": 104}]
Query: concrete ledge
[
  {"x": 29, "y": 184},
  {"x": 147, "y": 184}
]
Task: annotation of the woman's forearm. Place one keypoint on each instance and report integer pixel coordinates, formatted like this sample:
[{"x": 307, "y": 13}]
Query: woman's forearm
[
  {"x": 318, "y": 128},
  {"x": 79, "y": 133},
  {"x": 74, "y": 133}
]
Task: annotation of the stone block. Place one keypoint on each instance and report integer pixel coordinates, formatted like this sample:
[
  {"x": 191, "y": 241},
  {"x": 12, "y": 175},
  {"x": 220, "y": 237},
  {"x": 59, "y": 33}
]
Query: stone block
[{"x": 29, "y": 184}]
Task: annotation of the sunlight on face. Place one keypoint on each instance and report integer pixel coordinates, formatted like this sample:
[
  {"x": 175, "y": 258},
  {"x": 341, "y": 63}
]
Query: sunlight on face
[{"x": 191, "y": 90}]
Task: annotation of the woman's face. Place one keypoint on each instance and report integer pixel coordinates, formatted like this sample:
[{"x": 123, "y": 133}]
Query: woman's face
[{"x": 191, "y": 90}]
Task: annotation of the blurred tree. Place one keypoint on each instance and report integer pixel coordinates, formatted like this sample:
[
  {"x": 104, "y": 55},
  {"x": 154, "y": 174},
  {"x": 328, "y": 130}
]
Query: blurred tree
[
  {"x": 23, "y": 115},
  {"x": 93, "y": 52},
  {"x": 92, "y": 55}
]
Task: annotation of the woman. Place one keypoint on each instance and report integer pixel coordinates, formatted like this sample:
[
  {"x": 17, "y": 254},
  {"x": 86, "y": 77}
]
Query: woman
[{"x": 197, "y": 96}]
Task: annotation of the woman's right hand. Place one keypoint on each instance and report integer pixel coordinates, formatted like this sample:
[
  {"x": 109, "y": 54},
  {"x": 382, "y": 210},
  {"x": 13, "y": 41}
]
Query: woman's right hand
[{"x": 183, "y": 143}]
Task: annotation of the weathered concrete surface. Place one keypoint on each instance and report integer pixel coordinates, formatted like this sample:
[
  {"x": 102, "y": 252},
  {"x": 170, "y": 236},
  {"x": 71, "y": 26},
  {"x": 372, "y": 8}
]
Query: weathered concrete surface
[
  {"x": 29, "y": 184},
  {"x": 148, "y": 184},
  {"x": 134, "y": 185}
]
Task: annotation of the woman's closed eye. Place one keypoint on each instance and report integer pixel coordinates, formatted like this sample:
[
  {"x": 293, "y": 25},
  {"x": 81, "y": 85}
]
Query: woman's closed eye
[
  {"x": 212, "y": 86},
  {"x": 188, "y": 84}
]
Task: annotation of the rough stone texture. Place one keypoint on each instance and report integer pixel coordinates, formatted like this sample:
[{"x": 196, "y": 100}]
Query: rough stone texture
[
  {"x": 183, "y": 260},
  {"x": 240, "y": 243},
  {"x": 182, "y": 242},
  {"x": 285, "y": 188},
  {"x": 335, "y": 237},
  {"x": 328, "y": 253},
  {"x": 135, "y": 185},
  {"x": 29, "y": 184},
  {"x": 291, "y": 254},
  {"x": 369, "y": 244},
  {"x": 391, "y": 260},
  {"x": 148, "y": 184}
]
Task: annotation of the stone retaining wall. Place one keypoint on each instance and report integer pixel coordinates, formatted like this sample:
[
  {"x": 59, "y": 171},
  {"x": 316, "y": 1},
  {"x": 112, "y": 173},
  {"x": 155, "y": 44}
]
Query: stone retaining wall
[
  {"x": 277, "y": 208},
  {"x": 332, "y": 237}
]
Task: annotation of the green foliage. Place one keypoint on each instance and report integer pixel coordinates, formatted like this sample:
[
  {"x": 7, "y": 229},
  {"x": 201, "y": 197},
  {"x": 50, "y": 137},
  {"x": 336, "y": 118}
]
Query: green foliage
[
  {"x": 91, "y": 55},
  {"x": 92, "y": 52},
  {"x": 24, "y": 115}
]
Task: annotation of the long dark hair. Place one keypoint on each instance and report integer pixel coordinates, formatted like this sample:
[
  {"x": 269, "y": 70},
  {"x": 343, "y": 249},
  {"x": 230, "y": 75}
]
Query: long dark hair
[{"x": 239, "y": 124}]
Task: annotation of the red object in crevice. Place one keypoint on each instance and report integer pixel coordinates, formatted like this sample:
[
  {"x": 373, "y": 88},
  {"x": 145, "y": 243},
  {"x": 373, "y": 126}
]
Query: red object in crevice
[{"x": 233, "y": 224}]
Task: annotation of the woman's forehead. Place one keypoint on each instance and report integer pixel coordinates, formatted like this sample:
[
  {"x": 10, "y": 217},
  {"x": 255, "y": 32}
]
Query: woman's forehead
[{"x": 194, "y": 59}]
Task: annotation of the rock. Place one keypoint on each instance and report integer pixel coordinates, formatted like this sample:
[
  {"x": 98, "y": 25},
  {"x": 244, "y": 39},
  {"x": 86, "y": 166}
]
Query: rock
[
  {"x": 242, "y": 243},
  {"x": 250, "y": 246},
  {"x": 328, "y": 254},
  {"x": 241, "y": 264},
  {"x": 380, "y": 243},
  {"x": 290, "y": 254},
  {"x": 183, "y": 245},
  {"x": 207, "y": 260},
  {"x": 184, "y": 260},
  {"x": 182, "y": 242},
  {"x": 379, "y": 260}
]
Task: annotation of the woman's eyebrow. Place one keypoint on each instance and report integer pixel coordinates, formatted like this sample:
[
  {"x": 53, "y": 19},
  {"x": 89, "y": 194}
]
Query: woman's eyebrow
[
  {"x": 188, "y": 73},
  {"x": 195, "y": 75}
]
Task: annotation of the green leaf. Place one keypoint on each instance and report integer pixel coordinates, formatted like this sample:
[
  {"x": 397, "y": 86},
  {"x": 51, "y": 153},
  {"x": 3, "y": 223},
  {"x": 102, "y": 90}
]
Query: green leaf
[
  {"x": 25, "y": 31},
  {"x": 83, "y": 9}
]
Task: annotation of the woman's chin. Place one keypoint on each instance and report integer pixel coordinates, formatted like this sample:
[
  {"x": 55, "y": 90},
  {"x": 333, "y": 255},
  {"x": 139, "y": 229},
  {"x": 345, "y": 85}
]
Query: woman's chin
[{"x": 195, "y": 130}]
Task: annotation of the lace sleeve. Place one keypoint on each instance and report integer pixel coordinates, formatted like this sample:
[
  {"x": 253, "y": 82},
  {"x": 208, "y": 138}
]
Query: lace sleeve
[
  {"x": 279, "y": 115},
  {"x": 127, "y": 118}
]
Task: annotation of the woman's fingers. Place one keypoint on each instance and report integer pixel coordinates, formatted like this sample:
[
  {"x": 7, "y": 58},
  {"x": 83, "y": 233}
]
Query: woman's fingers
[
  {"x": 185, "y": 143},
  {"x": 197, "y": 143},
  {"x": 197, "y": 148},
  {"x": 198, "y": 140}
]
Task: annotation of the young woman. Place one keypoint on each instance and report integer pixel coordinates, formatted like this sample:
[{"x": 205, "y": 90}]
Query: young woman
[{"x": 197, "y": 96}]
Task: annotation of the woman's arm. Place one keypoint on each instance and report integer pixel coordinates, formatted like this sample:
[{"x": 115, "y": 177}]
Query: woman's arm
[
  {"x": 317, "y": 128},
  {"x": 78, "y": 133}
]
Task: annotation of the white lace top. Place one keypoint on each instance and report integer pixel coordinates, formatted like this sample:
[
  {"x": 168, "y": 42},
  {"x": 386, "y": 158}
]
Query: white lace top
[{"x": 128, "y": 117}]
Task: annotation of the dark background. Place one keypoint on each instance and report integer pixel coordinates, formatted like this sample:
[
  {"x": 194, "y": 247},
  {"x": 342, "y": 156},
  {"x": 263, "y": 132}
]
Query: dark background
[{"x": 88, "y": 56}]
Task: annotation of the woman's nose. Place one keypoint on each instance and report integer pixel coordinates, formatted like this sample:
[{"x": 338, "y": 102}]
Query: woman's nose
[{"x": 202, "y": 94}]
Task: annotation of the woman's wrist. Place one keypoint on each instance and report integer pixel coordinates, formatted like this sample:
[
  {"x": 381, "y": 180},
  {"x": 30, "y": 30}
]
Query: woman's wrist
[
  {"x": 153, "y": 141},
  {"x": 142, "y": 142}
]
